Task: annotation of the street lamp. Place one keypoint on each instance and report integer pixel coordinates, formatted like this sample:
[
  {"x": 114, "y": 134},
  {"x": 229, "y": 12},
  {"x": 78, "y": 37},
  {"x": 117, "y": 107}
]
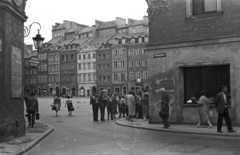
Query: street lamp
[{"x": 37, "y": 40}]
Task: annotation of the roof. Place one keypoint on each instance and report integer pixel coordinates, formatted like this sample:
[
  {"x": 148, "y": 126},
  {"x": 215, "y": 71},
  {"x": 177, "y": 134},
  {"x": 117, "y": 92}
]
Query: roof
[
  {"x": 97, "y": 42},
  {"x": 107, "y": 24},
  {"x": 65, "y": 42},
  {"x": 54, "y": 40},
  {"x": 139, "y": 22},
  {"x": 60, "y": 26},
  {"x": 120, "y": 35},
  {"x": 80, "y": 41},
  {"x": 87, "y": 29},
  {"x": 133, "y": 35}
]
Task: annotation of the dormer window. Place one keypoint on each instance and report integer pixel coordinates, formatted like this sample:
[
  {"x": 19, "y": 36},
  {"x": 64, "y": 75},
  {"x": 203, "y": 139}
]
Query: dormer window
[{"x": 123, "y": 41}]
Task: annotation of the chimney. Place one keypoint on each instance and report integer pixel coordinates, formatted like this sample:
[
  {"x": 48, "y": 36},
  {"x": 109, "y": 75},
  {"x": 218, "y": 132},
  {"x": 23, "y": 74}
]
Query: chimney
[
  {"x": 97, "y": 23},
  {"x": 120, "y": 21}
]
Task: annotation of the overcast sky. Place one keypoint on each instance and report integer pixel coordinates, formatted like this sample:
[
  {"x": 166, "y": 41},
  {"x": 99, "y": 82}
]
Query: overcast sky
[{"x": 49, "y": 12}]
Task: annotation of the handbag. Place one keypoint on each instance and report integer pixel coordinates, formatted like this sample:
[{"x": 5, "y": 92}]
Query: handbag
[
  {"x": 37, "y": 116},
  {"x": 72, "y": 109},
  {"x": 53, "y": 107}
]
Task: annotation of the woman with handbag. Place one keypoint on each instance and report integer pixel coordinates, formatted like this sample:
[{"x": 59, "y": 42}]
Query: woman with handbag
[
  {"x": 203, "y": 109},
  {"x": 56, "y": 104},
  {"x": 69, "y": 105},
  {"x": 164, "y": 112}
]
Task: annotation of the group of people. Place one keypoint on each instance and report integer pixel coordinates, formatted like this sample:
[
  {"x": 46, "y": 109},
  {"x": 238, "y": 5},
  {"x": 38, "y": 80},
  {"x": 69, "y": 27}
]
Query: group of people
[
  {"x": 57, "y": 104},
  {"x": 118, "y": 106},
  {"x": 221, "y": 104}
]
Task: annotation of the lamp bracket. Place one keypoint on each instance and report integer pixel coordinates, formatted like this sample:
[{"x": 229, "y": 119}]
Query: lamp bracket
[{"x": 27, "y": 29}]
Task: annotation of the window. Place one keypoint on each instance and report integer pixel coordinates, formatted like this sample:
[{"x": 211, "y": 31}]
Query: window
[
  {"x": 62, "y": 57},
  {"x": 99, "y": 78},
  {"x": 79, "y": 78},
  {"x": 122, "y": 77},
  {"x": 115, "y": 52},
  {"x": 104, "y": 78},
  {"x": 138, "y": 63},
  {"x": 89, "y": 77},
  {"x": 115, "y": 64},
  {"x": 131, "y": 76},
  {"x": 109, "y": 78},
  {"x": 140, "y": 40},
  {"x": 131, "y": 64},
  {"x": 89, "y": 65},
  {"x": 104, "y": 67},
  {"x": 145, "y": 75},
  {"x": 122, "y": 64},
  {"x": 123, "y": 41},
  {"x": 94, "y": 65},
  {"x": 72, "y": 57},
  {"x": 123, "y": 51},
  {"x": 94, "y": 77},
  {"x": 84, "y": 77},
  {"x": 108, "y": 56},
  {"x": 138, "y": 75},
  {"x": 84, "y": 56},
  {"x": 139, "y": 51},
  {"x": 145, "y": 63},
  {"x": 66, "y": 57},
  {"x": 84, "y": 65},
  {"x": 115, "y": 77},
  {"x": 104, "y": 56},
  {"x": 197, "y": 7},
  {"x": 79, "y": 66},
  {"x": 99, "y": 67},
  {"x": 108, "y": 66},
  {"x": 144, "y": 51},
  {"x": 89, "y": 56},
  {"x": 94, "y": 55}
]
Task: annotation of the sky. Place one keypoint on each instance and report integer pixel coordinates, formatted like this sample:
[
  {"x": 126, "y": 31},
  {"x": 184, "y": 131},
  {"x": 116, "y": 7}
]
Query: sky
[{"x": 49, "y": 12}]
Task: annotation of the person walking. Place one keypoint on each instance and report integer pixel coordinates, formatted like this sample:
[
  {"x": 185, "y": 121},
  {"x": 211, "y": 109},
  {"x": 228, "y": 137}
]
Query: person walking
[
  {"x": 102, "y": 105},
  {"x": 164, "y": 112},
  {"x": 203, "y": 109},
  {"x": 222, "y": 109},
  {"x": 145, "y": 106},
  {"x": 121, "y": 107},
  {"x": 130, "y": 99},
  {"x": 115, "y": 101},
  {"x": 95, "y": 106},
  {"x": 109, "y": 107},
  {"x": 26, "y": 98},
  {"x": 57, "y": 104},
  {"x": 32, "y": 109},
  {"x": 69, "y": 105}
]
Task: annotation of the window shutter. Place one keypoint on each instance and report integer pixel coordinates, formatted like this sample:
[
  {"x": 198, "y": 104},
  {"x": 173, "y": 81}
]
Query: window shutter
[{"x": 198, "y": 7}]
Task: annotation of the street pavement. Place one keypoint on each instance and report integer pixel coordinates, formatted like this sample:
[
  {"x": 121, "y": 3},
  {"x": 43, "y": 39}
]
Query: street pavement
[{"x": 79, "y": 135}]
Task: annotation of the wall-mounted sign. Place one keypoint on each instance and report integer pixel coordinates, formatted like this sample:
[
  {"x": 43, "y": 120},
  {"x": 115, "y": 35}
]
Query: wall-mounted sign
[
  {"x": 159, "y": 55},
  {"x": 16, "y": 66},
  {"x": 33, "y": 61}
]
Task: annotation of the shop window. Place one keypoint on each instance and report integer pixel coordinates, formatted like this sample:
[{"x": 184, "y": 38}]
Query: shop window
[{"x": 210, "y": 79}]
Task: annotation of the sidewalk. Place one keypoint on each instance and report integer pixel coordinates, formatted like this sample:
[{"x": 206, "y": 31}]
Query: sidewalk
[
  {"x": 182, "y": 129},
  {"x": 23, "y": 144}
]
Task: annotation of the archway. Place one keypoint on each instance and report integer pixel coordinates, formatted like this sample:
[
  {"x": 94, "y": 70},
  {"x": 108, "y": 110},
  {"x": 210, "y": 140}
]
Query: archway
[
  {"x": 63, "y": 91},
  {"x": 57, "y": 91},
  {"x": 73, "y": 92},
  {"x": 94, "y": 90},
  {"x": 82, "y": 91}
]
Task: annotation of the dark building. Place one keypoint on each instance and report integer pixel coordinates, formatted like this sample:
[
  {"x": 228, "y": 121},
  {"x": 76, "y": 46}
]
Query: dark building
[
  {"x": 194, "y": 46},
  {"x": 12, "y": 18},
  {"x": 42, "y": 86}
]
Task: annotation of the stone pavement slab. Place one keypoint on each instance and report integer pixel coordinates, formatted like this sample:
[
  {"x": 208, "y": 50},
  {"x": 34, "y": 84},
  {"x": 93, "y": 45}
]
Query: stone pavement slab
[
  {"x": 184, "y": 129},
  {"x": 21, "y": 145}
]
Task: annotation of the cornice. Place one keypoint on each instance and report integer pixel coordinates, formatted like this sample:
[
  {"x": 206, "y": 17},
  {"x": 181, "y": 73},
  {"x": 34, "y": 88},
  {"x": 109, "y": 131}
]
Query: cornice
[{"x": 9, "y": 6}]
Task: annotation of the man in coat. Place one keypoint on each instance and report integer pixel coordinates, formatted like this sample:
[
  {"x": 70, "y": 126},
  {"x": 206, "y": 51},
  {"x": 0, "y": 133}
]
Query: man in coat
[
  {"x": 32, "y": 108},
  {"x": 222, "y": 109},
  {"x": 102, "y": 104},
  {"x": 165, "y": 108},
  {"x": 95, "y": 106}
]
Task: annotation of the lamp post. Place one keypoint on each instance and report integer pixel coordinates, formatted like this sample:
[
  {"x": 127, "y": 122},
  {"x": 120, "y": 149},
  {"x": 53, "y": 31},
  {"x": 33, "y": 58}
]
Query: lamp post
[{"x": 38, "y": 39}]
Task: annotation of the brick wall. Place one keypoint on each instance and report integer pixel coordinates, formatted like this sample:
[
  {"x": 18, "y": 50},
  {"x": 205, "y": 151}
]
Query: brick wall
[{"x": 174, "y": 26}]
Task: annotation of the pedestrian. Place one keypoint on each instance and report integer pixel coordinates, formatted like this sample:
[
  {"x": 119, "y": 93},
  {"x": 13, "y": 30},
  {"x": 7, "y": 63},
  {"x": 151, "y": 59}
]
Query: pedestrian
[
  {"x": 164, "y": 112},
  {"x": 26, "y": 98},
  {"x": 222, "y": 109},
  {"x": 102, "y": 104},
  {"x": 115, "y": 101},
  {"x": 109, "y": 107},
  {"x": 203, "y": 109},
  {"x": 69, "y": 105},
  {"x": 32, "y": 109},
  {"x": 95, "y": 106},
  {"x": 131, "y": 105},
  {"x": 121, "y": 107},
  {"x": 57, "y": 104},
  {"x": 145, "y": 106}
]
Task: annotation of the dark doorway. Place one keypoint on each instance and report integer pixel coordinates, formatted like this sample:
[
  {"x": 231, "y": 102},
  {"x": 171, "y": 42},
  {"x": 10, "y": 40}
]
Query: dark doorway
[
  {"x": 57, "y": 91},
  {"x": 94, "y": 90},
  {"x": 209, "y": 78},
  {"x": 73, "y": 92}
]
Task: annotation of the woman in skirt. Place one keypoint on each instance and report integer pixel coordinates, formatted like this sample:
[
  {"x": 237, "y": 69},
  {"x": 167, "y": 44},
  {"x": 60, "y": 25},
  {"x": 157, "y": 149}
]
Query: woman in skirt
[{"x": 57, "y": 104}]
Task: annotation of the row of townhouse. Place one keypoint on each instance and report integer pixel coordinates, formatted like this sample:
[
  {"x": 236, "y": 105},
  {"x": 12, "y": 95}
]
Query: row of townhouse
[{"x": 80, "y": 60}]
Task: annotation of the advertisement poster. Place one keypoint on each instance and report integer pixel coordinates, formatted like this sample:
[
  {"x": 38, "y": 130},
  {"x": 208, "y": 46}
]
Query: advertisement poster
[{"x": 16, "y": 72}]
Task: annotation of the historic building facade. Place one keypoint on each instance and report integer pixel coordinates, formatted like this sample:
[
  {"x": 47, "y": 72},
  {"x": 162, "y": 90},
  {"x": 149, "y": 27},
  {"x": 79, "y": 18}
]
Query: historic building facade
[
  {"x": 137, "y": 39},
  {"x": 194, "y": 47}
]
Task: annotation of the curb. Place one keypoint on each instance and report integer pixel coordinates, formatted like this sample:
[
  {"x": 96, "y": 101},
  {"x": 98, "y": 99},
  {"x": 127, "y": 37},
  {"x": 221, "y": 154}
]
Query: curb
[
  {"x": 177, "y": 131},
  {"x": 37, "y": 140}
]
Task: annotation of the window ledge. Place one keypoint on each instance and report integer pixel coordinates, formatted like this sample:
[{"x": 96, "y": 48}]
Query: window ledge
[{"x": 204, "y": 16}]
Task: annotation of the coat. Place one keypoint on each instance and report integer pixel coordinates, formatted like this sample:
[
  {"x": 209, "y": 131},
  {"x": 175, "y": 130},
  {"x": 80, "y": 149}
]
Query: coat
[
  {"x": 165, "y": 104},
  {"x": 130, "y": 99},
  {"x": 220, "y": 103},
  {"x": 32, "y": 104}
]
